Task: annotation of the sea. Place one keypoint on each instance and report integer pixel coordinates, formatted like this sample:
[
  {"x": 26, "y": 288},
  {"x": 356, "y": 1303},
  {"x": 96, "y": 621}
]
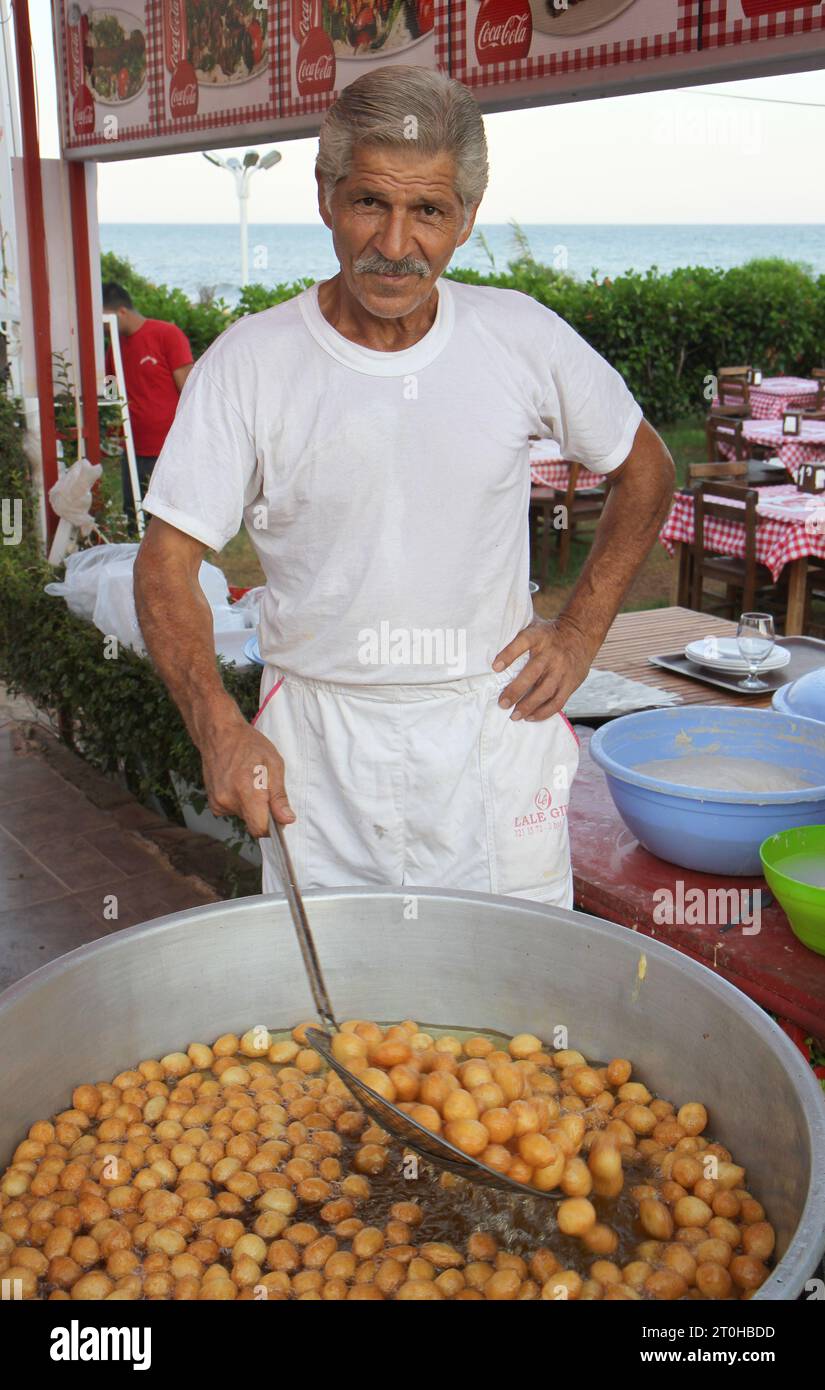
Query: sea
[{"x": 204, "y": 258}]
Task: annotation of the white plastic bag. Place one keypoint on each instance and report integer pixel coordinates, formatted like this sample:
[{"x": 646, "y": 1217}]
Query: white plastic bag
[
  {"x": 84, "y": 568},
  {"x": 71, "y": 495},
  {"x": 99, "y": 585}
]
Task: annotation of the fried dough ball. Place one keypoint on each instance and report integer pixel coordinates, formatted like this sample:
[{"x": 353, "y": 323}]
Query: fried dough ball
[{"x": 243, "y": 1169}]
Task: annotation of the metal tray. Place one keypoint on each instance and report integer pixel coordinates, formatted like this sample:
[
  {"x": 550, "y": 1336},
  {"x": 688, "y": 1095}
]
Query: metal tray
[{"x": 807, "y": 654}]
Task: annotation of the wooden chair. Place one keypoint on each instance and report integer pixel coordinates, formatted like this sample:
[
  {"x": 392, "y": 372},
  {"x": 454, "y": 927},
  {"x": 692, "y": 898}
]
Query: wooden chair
[
  {"x": 724, "y": 434},
  {"x": 582, "y": 507},
  {"x": 734, "y": 397},
  {"x": 725, "y": 470},
  {"x": 743, "y": 578},
  {"x": 732, "y": 373},
  {"x": 813, "y": 622},
  {"x": 543, "y": 501}
]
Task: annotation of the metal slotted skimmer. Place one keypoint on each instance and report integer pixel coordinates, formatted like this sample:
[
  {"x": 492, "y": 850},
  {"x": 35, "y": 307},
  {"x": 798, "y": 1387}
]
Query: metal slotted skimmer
[{"x": 401, "y": 1126}]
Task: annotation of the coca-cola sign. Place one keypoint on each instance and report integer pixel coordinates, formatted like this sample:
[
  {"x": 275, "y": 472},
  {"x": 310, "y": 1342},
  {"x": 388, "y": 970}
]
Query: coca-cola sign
[
  {"x": 174, "y": 33},
  {"x": 504, "y": 30},
  {"x": 183, "y": 91},
  {"x": 754, "y": 8},
  {"x": 75, "y": 57},
  {"x": 315, "y": 66},
  {"x": 83, "y": 111},
  {"x": 301, "y": 19}
]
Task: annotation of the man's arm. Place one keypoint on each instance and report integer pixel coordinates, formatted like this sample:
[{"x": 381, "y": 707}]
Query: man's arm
[
  {"x": 180, "y": 374},
  {"x": 176, "y": 622},
  {"x": 562, "y": 649}
]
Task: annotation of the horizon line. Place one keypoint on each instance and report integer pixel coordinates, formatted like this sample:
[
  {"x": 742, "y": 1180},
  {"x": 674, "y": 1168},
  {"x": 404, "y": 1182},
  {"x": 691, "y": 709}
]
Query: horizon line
[{"x": 508, "y": 225}]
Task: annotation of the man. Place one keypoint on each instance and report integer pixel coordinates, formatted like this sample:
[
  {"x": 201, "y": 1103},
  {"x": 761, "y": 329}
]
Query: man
[
  {"x": 157, "y": 359},
  {"x": 373, "y": 434}
]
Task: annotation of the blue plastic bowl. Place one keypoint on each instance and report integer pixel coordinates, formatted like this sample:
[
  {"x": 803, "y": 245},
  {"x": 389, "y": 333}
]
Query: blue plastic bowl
[
  {"x": 715, "y": 832},
  {"x": 803, "y": 698}
]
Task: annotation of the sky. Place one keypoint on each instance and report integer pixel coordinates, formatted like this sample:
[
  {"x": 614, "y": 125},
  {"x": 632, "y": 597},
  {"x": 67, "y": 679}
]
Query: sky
[{"x": 690, "y": 155}]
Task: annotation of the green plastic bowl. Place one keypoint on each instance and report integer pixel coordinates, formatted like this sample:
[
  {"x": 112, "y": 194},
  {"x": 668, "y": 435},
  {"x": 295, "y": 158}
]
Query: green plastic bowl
[{"x": 785, "y": 860}]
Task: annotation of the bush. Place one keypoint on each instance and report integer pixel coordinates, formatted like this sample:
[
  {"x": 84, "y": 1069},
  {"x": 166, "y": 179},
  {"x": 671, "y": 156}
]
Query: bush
[
  {"x": 666, "y": 334},
  {"x": 117, "y": 713}
]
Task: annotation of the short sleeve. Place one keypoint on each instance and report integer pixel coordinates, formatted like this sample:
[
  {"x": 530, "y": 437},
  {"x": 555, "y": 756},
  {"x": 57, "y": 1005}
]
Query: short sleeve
[
  {"x": 176, "y": 347},
  {"x": 207, "y": 469},
  {"x": 587, "y": 409}
]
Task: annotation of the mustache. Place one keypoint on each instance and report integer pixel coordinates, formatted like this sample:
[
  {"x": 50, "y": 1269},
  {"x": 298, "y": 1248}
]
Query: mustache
[{"x": 376, "y": 264}]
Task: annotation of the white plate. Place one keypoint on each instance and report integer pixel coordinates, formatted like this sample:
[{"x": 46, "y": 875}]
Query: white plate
[
  {"x": 722, "y": 654},
  {"x": 128, "y": 24},
  {"x": 396, "y": 39},
  {"x": 253, "y": 651},
  {"x": 577, "y": 18}
]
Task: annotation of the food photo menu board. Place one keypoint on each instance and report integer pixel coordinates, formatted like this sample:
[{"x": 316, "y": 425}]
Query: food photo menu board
[
  {"x": 155, "y": 76},
  {"x": 331, "y": 42},
  {"x": 506, "y": 41},
  {"x": 107, "y": 61},
  {"x": 219, "y": 64},
  {"x": 758, "y": 21}
]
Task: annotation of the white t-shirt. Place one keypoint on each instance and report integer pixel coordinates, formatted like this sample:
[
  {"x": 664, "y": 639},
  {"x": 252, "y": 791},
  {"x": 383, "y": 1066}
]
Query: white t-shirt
[{"x": 387, "y": 493}]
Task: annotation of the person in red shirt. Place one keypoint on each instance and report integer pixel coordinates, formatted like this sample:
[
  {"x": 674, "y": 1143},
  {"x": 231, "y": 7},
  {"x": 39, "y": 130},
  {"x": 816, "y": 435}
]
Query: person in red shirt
[{"x": 157, "y": 359}]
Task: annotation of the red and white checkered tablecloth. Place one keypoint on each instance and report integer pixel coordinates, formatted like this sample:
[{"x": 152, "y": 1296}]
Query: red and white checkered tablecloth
[
  {"x": 548, "y": 468},
  {"x": 780, "y": 537},
  {"x": 776, "y": 394},
  {"x": 792, "y": 449}
]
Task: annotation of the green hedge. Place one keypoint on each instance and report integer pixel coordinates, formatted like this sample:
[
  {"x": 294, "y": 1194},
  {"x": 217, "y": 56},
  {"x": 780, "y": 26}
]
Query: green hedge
[
  {"x": 116, "y": 712},
  {"x": 665, "y": 333}
]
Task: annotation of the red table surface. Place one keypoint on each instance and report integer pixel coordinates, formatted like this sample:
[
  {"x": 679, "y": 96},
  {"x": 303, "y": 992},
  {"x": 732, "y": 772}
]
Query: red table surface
[{"x": 616, "y": 878}]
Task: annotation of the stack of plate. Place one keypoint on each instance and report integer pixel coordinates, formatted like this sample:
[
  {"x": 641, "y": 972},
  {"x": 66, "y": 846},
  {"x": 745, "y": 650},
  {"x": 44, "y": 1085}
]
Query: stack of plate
[{"x": 723, "y": 654}]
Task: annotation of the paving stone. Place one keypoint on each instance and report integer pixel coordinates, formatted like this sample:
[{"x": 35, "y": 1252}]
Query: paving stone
[
  {"x": 139, "y": 899},
  {"x": 125, "y": 850},
  {"x": 31, "y": 936},
  {"x": 36, "y": 820},
  {"x": 24, "y": 777},
  {"x": 78, "y": 861},
  {"x": 24, "y": 881}
]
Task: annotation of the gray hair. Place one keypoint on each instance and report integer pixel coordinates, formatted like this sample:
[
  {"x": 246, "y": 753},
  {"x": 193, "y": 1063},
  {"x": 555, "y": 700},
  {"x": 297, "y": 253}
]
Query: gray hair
[{"x": 402, "y": 106}]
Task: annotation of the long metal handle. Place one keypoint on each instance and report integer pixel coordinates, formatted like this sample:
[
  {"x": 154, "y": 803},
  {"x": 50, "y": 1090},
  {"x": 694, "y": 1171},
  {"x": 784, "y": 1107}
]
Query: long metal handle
[{"x": 301, "y": 925}]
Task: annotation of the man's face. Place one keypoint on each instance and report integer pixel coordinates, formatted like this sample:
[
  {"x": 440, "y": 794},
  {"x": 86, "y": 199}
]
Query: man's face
[{"x": 396, "y": 220}]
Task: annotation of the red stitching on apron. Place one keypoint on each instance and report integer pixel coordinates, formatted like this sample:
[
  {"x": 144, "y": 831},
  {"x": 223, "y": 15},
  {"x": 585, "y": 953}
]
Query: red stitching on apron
[
  {"x": 276, "y": 687},
  {"x": 567, "y": 722}
]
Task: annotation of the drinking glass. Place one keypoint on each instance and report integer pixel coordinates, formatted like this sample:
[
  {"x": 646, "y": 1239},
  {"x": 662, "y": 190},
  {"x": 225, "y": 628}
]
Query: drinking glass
[{"x": 755, "y": 637}]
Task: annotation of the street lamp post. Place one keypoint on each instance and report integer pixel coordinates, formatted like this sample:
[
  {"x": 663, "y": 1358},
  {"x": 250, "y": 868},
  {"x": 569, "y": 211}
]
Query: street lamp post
[{"x": 242, "y": 174}]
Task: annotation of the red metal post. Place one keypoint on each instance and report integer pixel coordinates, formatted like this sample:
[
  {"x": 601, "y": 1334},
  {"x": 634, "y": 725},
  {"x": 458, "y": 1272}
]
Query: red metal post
[
  {"x": 85, "y": 311},
  {"x": 38, "y": 266}
]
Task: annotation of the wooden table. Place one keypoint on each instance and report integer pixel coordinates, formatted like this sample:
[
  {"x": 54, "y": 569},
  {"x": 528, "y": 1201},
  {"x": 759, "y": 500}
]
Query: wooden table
[
  {"x": 636, "y": 636},
  {"x": 616, "y": 878},
  {"x": 796, "y": 566}
]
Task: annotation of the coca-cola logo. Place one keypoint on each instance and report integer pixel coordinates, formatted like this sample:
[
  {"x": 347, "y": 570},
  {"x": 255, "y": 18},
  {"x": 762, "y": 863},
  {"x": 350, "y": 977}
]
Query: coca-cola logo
[
  {"x": 83, "y": 113},
  {"x": 75, "y": 59},
  {"x": 315, "y": 67},
  {"x": 174, "y": 33},
  {"x": 318, "y": 72},
  {"x": 754, "y": 8},
  {"x": 183, "y": 91},
  {"x": 504, "y": 30},
  {"x": 301, "y": 19}
]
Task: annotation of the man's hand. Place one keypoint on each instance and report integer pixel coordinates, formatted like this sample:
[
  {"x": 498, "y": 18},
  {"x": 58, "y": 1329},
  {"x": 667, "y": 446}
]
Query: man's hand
[
  {"x": 559, "y": 661},
  {"x": 244, "y": 776},
  {"x": 562, "y": 649}
]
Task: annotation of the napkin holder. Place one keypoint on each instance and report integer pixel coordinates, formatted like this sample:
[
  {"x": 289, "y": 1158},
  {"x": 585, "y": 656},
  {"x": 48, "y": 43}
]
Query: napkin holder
[
  {"x": 792, "y": 422},
  {"x": 810, "y": 478}
]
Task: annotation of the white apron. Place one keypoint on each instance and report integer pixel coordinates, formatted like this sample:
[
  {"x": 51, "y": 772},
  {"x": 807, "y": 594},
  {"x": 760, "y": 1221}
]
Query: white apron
[{"x": 421, "y": 786}]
